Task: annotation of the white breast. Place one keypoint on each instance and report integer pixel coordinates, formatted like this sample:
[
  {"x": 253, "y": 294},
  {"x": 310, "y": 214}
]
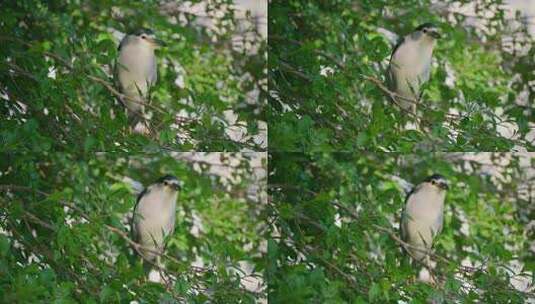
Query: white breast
[
  {"x": 137, "y": 66},
  {"x": 155, "y": 217},
  {"x": 410, "y": 64},
  {"x": 423, "y": 217}
]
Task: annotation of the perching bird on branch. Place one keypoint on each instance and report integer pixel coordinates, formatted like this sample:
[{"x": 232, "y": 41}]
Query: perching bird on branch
[
  {"x": 136, "y": 71},
  {"x": 154, "y": 217},
  {"x": 422, "y": 216},
  {"x": 410, "y": 65}
]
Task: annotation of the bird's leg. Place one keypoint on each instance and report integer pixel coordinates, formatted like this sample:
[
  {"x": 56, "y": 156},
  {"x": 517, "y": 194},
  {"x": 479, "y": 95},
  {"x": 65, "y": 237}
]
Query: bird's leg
[
  {"x": 159, "y": 267},
  {"x": 429, "y": 266}
]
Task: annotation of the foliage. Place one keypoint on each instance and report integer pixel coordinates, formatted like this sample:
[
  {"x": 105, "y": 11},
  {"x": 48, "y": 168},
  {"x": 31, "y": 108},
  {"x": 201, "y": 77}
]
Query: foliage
[
  {"x": 335, "y": 226},
  {"x": 57, "y": 85},
  {"x": 327, "y": 61},
  {"x": 64, "y": 223}
]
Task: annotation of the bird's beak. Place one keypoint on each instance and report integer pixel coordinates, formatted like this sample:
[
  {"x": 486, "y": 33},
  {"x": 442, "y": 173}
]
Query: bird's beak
[
  {"x": 435, "y": 34},
  {"x": 160, "y": 43},
  {"x": 444, "y": 186},
  {"x": 176, "y": 187},
  {"x": 157, "y": 42}
]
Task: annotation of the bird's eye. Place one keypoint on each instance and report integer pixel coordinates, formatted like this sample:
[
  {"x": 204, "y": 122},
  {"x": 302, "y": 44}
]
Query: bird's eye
[
  {"x": 425, "y": 30},
  {"x": 166, "y": 183},
  {"x": 433, "y": 182},
  {"x": 143, "y": 36}
]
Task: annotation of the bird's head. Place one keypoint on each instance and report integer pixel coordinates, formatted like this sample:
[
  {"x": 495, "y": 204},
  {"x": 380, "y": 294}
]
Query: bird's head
[
  {"x": 146, "y": 37},
  {"x": 427, "y": 31},
  {"x": 438, "y": 181},
  {"x": 170, "y": 183}
]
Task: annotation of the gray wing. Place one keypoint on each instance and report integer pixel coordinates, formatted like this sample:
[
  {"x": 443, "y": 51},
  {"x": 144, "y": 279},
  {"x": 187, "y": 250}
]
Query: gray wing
[
  {"x": 404, "y": 217},
  {"x": 133, "y": 231},
  {"x": 116, "y": 67},
  {"x": 426, "y": 73},
  {"x": 171, "y": 224},
  {"x": 391, "y": 78},
  {"x": 116, "y": 76},
  {"x": 439, "y": 223},
  {"x": 390, "y": 75},
  {"x": 403, "y": 226},
  {"x": 123, "y": 42},
  {"x": 396, "y": 47},
  {"x": 153, "y": 77}
]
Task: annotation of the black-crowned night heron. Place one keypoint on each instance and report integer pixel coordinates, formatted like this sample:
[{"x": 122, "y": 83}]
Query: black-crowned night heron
[
  {"x": 136, "y": 71},
  {"x": 422, "y": 217},
  {"x": 154, "y": 216},
  {"x": 410, "y": 65}
]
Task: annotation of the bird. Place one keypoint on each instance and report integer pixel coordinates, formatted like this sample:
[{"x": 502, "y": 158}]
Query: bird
[
  {"x": 154, "y": 217},
  {"x": 422, "y": 216},
  {"x": 136, "y": 71},
  {"x": 410, "y": 65}
]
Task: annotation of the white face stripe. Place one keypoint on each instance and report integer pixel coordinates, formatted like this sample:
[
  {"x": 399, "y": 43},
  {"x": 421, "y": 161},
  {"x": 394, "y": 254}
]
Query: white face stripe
[
  {"x": 173, "y": 182},
  {"x": 151, "y": 36},
  {"x": 145, "y": 39},
  {"x": 438, "y": 182}
]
